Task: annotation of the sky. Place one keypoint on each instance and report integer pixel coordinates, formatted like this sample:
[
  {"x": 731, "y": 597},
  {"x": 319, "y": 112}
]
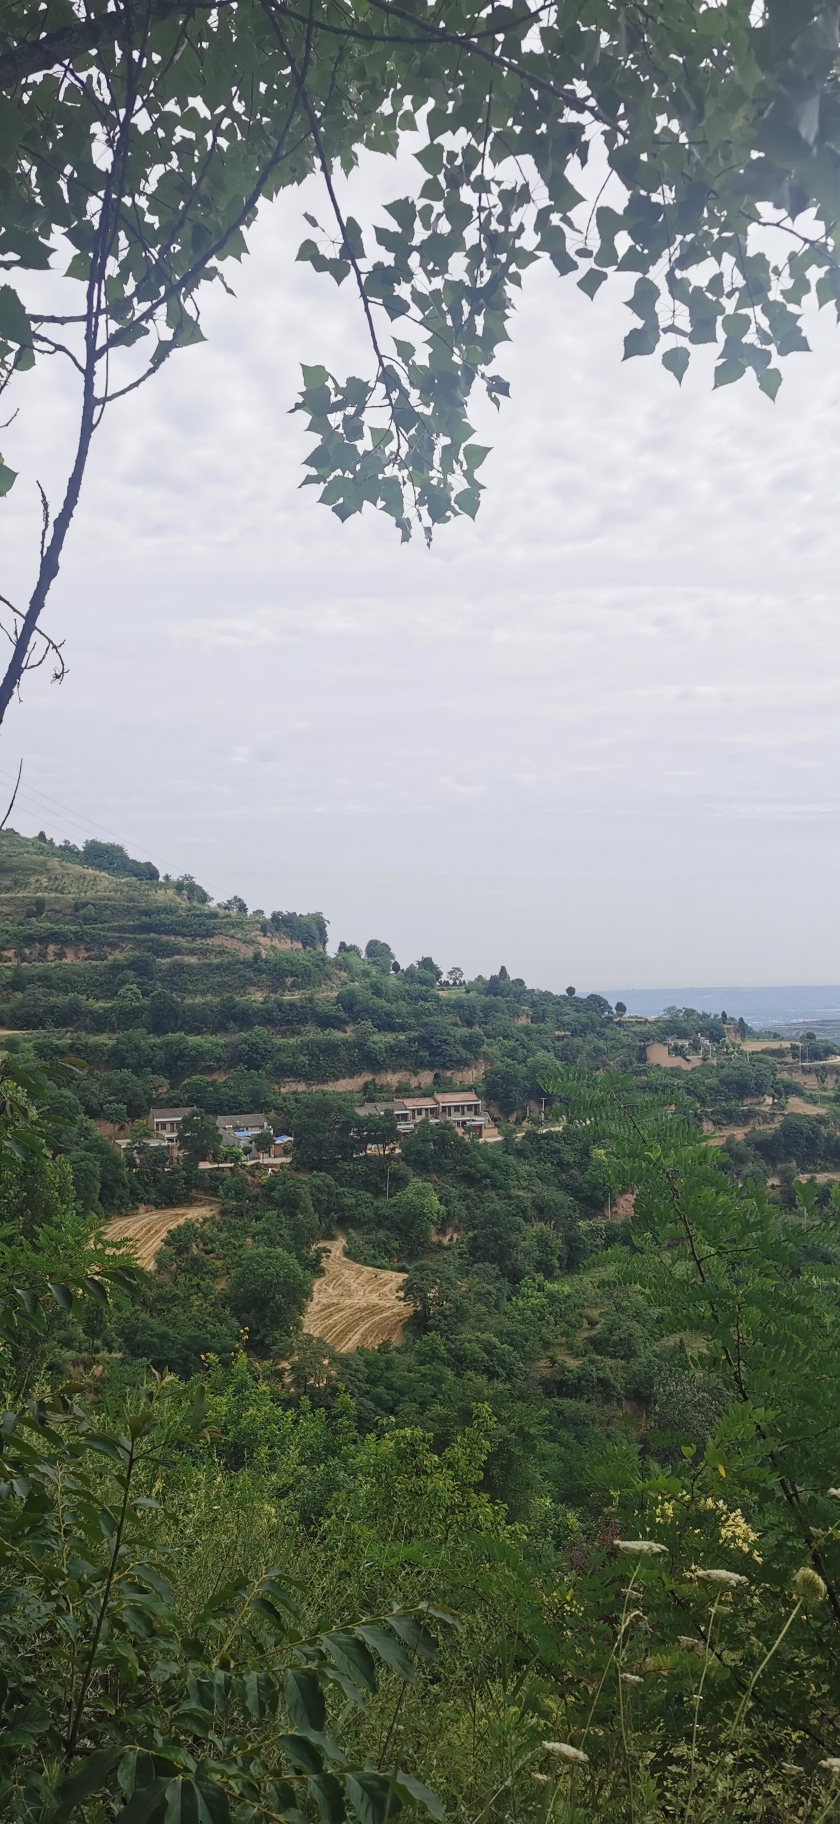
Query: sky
[{"x": 593, "y": 737}]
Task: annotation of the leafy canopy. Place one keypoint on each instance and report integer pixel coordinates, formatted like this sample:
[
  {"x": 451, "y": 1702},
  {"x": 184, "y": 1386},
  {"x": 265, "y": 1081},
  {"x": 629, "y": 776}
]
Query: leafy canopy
[
  {"x": 692, "y": 147},
  {"x": 136, "y": 143}
]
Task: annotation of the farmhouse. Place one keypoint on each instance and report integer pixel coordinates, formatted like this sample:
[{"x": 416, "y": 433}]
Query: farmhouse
[
  {"x": 165, "y": 1123},
  {"x": 240, "y": 1130},
  {"x": 461, "y": 1107}
]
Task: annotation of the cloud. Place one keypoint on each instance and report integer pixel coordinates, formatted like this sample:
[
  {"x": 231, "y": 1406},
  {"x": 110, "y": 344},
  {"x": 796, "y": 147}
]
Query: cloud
[{"x": 570, "y": 736}]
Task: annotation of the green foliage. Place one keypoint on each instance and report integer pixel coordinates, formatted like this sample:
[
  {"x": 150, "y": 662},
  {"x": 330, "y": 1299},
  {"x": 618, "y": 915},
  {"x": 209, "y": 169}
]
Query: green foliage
[
  {"x": 267, "y": 1291},
  {"x": 708, "y": 124},
  {"x": 412, "y": 1214},
  {"x": 109, "y": 1687},
  {"x": 198, "y": 1137},
  {"x": 606, "y": 1445}
]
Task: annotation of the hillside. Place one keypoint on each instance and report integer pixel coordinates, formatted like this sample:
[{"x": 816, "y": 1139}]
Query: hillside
[
  {"x": 164, "y": 997},
  {"x": 171, "y": 994},
  {"x": 416, "y": 1368}
]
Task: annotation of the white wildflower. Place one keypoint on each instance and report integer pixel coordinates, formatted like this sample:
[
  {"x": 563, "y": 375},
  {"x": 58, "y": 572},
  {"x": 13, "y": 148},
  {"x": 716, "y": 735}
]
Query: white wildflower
[
  {"x": 541, "y": 1778},
  {"x": 565, "y": 1751},
  {"x": 832, "y": 1764},
  {"x": 729, "y": 1578},
  {"x": 630, "y": 1678},
  {"x": 809, "y": 1586},
  {"x": 835, "y": 1492},
  {"x": 646, "y": 1548}
]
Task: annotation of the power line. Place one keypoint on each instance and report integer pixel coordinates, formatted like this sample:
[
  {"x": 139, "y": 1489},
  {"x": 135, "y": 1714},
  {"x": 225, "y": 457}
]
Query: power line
[{"x": 43, "y": 802}]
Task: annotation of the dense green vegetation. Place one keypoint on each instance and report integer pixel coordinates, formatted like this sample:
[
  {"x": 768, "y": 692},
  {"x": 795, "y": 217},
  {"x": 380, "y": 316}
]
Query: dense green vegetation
[{"x": 233, "y": 1560}]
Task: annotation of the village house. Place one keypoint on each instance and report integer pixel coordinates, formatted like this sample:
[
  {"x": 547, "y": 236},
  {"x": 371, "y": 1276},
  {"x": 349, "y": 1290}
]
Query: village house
[
  {"x": 165, "y": 1123},
  {"x": 461, "y": 1107},
  {"x": 241, "y": 1130}
]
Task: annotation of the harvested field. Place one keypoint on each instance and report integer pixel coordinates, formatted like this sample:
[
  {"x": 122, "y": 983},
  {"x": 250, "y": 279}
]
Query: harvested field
[
  {"x": 354, "y": 1307},
  {"x": 148, "y": 1230}
]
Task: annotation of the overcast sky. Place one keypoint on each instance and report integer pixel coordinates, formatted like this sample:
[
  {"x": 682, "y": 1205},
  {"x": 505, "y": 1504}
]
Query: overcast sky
[{"x": 593, "y": 736}]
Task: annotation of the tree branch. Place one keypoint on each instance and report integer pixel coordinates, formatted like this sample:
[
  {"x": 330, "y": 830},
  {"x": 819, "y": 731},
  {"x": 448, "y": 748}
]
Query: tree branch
[{"x": 89, "y": 35}]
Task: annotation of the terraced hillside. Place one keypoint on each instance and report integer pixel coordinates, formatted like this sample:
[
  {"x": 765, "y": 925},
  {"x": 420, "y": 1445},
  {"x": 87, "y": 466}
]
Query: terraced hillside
[
  {"x": 164, "y": 995},
  {"x": 167, "y": 998}
]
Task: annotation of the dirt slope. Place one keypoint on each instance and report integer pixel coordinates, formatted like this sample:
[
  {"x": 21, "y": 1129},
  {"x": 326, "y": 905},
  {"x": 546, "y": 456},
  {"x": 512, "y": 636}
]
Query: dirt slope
[
  {"x": 354, "y": 1307},
  {"x": 351, "y": 1307},
  {"x": 150, "y": 1229}
]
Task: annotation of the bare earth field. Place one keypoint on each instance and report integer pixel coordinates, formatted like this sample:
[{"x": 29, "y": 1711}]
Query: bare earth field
[
  {"x": 149, "y": 1229},
  {"x": 354, "y": 1307}
]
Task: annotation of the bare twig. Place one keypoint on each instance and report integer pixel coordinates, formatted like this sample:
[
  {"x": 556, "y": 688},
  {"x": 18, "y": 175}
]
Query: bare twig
[{"x": 13, "y": 797}]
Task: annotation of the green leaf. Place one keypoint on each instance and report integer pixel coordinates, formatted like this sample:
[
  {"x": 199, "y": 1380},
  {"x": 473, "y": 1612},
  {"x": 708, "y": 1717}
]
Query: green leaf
[
  {"x": 644, "y": 301},
  {"x": 62, "y": 1295},
  {"x": 373, "y": 1798},
  {"x": 727, "y": 372},
  {"x": 14, "y": 321},
  {"x": 272, "y": 1614},
  {"x": 79, "y": 1786},
  {"x": 214, "y": 1805},
  {"x": 404, "y": 212},
  {"x": 12, "y": 129},
  {"x": 352, "y": 1658},
  {"x": 260, "y": 1694},
  {"x": 138, "y": 1769},
  {"x": 8, "y": 477},
  {"x": 304, "y": 1701},
  {"x": 329, "y": 1798},
  {"x": 431, "y": 158},
  {"x": 429, "y": 1800},
  {"x": 353, "y": 238},
  {"x": 195, "y": 1801},
  {"x": 283, "y": 1800},
  {"x": 147, "y": 1574},
  {"x": 641, "y": 341},
  {"x": 416, "y": 1637},
  {"x": 302, "y": 1753},
  {"x": 188, "y": 333},
  {"x": 21, "y": 1728},
  {"x": 388, "y": 1647},
  {"x": 314, "y": 376},
  {"x": 770, "y": 381},
  {"x": 592, "y": 281},
  {"x": 676, "y": 360},
  {"x": 95, "y": 1288},
  {"x": 124, "y": 1277},
  {"x": 271, "y": 1586},
  {"x": 106, "y": 1447}
]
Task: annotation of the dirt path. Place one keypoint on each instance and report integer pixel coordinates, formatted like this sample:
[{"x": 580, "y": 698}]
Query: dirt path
[
  {"x": 354, "y": 1307},
  {"x": 151, "y": 1228}
]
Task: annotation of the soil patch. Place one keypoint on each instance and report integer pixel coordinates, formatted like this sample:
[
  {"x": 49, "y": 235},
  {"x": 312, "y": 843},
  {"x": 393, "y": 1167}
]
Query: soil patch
[
  {"x": 148, "y": 1229},
  {"x": 355, "y": 1307}
]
